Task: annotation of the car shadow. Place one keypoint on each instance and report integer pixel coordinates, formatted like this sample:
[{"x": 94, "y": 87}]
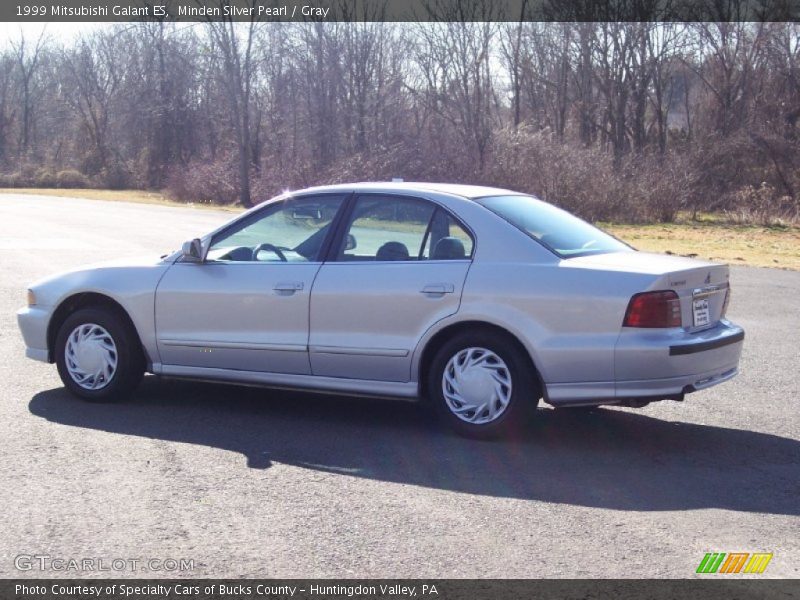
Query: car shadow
[{"x": 609, "y": 458}]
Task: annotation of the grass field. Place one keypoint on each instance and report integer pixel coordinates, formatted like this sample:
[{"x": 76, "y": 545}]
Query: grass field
[
  {"x": 138, "y": 196},
  {"x": 708, "y": 238},
  {"x": 734, "y": 244}
]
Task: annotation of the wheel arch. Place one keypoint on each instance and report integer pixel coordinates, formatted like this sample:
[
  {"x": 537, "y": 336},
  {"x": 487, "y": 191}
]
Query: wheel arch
[
  {"x": 438, "y": 339},
  {"x": 82, "y": 300}
]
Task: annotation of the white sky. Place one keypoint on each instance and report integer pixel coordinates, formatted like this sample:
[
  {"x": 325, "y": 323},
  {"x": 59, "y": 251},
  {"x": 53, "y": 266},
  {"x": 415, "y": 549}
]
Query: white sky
[{"x": 56, "y": 31}]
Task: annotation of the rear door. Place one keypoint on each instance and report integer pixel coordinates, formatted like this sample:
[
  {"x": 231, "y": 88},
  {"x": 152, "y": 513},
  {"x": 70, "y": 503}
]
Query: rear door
[{"x": 398, "y": 267}]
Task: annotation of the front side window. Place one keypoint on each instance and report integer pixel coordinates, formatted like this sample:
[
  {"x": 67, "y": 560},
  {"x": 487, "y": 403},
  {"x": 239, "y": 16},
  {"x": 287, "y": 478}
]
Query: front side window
[
  {"x": 563, "y": 233},
  {"x": 289, "y": 231}
]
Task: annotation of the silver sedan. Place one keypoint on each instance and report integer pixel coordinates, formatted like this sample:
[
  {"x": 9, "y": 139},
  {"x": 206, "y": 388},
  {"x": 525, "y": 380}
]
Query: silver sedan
[{"x": 481, "y": 301}]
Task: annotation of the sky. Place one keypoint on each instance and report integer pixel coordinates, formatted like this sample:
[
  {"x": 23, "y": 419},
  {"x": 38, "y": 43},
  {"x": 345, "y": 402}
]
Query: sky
[{"x": 57, "y": 31}]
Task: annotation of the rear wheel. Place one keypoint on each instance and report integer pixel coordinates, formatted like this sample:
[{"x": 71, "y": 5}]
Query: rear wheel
[
  {"x": 482, "y": 386},
  {"x": 98, "y": 355}
]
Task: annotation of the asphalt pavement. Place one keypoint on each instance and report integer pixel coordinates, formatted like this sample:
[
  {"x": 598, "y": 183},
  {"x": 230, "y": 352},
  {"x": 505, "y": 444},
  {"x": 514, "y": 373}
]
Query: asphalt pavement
[{"x": 242, "y": 482}]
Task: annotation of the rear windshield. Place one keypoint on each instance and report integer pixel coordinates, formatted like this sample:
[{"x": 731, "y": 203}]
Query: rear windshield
[{"x": 563, "y": 233}]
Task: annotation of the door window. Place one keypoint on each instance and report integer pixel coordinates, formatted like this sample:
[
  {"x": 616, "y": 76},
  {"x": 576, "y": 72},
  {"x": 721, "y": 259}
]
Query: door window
[
  {"x": 289, "y": 231},
  {"x": 386, "y": 228}
]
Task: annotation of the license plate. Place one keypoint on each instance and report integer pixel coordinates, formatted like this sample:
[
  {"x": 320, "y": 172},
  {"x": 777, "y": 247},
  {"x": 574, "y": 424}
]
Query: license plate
[{"x": 701, "y": 312}]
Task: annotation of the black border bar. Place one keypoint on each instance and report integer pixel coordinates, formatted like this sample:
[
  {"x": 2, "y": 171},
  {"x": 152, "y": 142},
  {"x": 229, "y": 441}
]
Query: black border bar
[
  {"x": 711, "y": 587},
  {"x": 399, "y": 10}
]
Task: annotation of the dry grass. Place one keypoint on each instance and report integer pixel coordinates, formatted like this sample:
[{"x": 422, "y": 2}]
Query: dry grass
[
  {"x": 712, "y": 240},
  {"x": 708, "y": 238},
  {"x": 138, "y": 196}
]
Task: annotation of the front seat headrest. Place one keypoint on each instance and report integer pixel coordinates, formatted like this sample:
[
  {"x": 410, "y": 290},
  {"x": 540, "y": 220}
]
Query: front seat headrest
[{"x": 392, "y": 251}]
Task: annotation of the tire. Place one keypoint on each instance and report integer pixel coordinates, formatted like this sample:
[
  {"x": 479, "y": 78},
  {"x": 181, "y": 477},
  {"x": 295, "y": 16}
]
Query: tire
[
  {"x": 501, "y": 380},
  {"x": 98, "y": 355}
]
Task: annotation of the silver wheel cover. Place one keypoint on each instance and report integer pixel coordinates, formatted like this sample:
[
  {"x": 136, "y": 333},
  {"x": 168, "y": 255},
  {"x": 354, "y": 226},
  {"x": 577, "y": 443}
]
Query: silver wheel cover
[
  {"x": 90, "y": 355},
  {"x": 477, "y": 385}
]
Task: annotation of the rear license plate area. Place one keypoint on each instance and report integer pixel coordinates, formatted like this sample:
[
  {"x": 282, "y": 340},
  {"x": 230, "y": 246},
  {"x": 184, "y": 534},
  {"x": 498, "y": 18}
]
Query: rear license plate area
[{"x": 700, "y": 312}]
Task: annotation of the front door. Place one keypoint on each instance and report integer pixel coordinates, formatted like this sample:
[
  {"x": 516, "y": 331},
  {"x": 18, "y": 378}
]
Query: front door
[
  {"x": 400, "y": 268},
  {"x": 246, "y": 306}
]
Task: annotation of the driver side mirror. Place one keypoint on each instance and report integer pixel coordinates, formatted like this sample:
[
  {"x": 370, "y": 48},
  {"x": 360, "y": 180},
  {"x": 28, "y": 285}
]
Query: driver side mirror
[
  {"x": 349, "y": 242},
  {"x": 192, "y": 251}
]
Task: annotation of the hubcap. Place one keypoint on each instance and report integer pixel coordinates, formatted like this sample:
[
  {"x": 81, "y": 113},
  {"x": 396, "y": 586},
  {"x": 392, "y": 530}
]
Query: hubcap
[
  {"x": 476, "y": 385},
  {"x": 91, "y": 356}
]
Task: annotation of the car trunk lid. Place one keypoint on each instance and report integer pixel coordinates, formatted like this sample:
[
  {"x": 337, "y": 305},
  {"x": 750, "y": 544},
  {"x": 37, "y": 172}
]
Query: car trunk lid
[{"x": 701, "y": 286}]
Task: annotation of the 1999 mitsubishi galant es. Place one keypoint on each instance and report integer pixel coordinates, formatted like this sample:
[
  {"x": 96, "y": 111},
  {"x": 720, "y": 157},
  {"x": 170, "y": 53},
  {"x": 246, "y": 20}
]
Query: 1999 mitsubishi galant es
[{"x": 479, "y": 300}]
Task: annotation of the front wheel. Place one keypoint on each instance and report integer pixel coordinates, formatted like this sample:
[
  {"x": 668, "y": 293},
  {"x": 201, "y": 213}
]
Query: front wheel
[
  {"x": 482, "y": 386},
  {"x": 98, "y": 355}
]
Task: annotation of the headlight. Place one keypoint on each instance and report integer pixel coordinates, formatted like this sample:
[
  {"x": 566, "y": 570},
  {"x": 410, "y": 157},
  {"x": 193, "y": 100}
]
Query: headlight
[{"x": 31, "y": 298}]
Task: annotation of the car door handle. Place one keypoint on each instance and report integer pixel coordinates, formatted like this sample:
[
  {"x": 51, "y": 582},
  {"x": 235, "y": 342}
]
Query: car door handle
[
  {"x": 288, "y": 286},
  {"x": 438, "y": 288}
]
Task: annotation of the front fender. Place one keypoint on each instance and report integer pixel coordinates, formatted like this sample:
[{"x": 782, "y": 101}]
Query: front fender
[{"x": 132, "y": 287}]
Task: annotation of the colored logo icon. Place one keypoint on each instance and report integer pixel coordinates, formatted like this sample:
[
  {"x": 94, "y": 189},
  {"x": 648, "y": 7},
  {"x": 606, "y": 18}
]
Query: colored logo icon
[{"x": 734, "y": 562}]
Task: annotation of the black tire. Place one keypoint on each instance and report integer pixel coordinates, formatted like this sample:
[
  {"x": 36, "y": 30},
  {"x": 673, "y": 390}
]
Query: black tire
[
  {"x": 130, "y": 363},
  {"x": 524, "y": 389}
]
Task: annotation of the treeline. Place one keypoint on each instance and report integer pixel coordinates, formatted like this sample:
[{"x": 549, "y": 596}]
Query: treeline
[{"x": 626, "y": 121}]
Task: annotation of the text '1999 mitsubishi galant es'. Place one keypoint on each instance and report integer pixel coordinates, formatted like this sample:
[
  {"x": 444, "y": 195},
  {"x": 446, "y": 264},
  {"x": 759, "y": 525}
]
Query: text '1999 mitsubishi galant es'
[{"x": 479, "y": 300}]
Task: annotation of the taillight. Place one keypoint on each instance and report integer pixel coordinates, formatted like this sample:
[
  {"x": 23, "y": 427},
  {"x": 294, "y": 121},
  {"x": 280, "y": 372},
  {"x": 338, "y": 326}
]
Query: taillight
[
  {"x": 725, "y": 303},
  {"x": 653, "y": 309}
]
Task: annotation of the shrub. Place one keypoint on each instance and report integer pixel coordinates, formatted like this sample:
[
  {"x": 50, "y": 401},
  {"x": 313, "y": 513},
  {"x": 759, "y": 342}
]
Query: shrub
[
  {"x": 10, "y": 180},
  {"x": 114, "y": 176},
  {"x": 211, "y": 182},
  {"x": 70, "y": 178},
  {"x": 762, "y": 205},
  {"x": 45, "y": 178}
]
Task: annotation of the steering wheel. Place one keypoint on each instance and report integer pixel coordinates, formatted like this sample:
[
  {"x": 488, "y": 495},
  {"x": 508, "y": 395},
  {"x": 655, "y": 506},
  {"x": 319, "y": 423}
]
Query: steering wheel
[{"x": 270, "y": 248}]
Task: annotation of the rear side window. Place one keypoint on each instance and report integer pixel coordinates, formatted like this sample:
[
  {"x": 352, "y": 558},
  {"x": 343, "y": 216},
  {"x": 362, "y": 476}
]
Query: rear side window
[
  {"x": 563, "y": 233},
  {"x": 386, "y": 228},
  {"x": 447, "y": 239},
  {"x": 392, "y": 228}
]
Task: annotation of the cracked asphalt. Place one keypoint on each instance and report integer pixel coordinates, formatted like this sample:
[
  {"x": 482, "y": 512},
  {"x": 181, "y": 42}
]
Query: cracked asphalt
[{"x": 259, "y": 483}]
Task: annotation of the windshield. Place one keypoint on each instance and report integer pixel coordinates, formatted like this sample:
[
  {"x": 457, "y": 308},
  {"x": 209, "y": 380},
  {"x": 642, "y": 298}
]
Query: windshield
[{"x": 563, "y": 233}]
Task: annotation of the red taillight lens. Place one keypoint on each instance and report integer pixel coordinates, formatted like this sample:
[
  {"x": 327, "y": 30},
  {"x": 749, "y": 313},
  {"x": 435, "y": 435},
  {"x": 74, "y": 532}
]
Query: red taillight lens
[{"x": 653, "y": 309}]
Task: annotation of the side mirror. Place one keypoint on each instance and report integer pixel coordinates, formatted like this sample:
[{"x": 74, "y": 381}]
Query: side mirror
[
  {"x": 350, "y": 242},
  {"x": 193, "y": 251}
]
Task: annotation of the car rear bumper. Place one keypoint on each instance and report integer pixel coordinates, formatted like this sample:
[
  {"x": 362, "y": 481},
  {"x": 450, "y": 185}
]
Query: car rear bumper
[
  {"x": 660, "y": 364},
  {"x": 32, "y": 323}
]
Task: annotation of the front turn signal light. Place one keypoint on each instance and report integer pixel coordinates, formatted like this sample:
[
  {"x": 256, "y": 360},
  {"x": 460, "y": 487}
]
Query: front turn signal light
[{"x": 31, "y": 298}]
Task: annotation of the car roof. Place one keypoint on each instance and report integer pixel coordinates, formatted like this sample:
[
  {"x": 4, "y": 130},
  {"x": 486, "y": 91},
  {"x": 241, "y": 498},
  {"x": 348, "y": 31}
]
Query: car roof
[{"x": 456, "y": 189}]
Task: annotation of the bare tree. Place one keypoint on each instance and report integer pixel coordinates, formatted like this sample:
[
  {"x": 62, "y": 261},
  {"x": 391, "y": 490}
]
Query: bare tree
[
  {"x": 27, "y": 59},
  {"x": 235, "y": 43}
]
